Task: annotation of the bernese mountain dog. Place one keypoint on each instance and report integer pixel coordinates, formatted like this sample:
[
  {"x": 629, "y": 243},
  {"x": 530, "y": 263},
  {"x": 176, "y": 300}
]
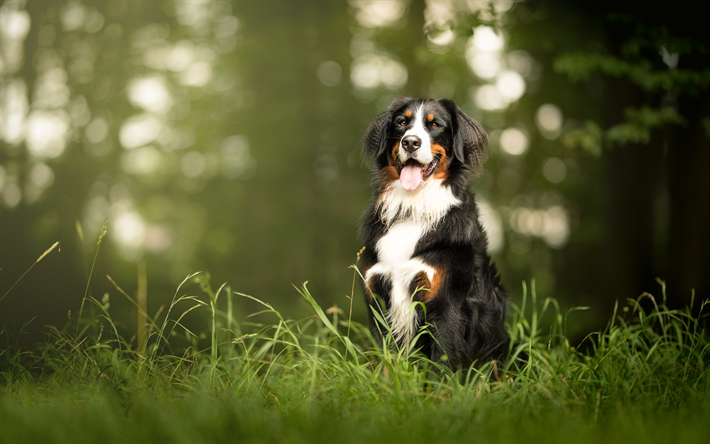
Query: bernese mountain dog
[{"x": 425, "y": 264}]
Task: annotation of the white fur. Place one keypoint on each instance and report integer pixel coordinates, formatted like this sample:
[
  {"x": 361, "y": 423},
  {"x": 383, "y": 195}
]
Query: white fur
[
  {"x": 425, "y": 205},
  {"x": 395, "y": 250},
  {"x": 419, "y": 211},
  {"x": 423, "y": 154}
]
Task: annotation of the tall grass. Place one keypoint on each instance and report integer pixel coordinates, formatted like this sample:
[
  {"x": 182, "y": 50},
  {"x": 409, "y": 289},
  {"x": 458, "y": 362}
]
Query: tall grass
[{"x": 644, "y": 378}]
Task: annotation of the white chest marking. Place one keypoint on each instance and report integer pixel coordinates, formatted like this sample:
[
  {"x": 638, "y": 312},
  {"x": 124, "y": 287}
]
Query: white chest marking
[
  {"x": 395, "y": 250},
  {"x": 426, "y": 205}
]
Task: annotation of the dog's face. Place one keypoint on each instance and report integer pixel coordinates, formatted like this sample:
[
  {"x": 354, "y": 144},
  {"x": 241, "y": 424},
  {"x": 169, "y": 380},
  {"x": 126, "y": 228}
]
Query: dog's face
[
  {"x": 416, "y": 140},
  {"x": 422, "y": 132}
]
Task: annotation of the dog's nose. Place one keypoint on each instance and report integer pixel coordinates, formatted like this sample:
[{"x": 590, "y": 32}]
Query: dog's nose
[{"x": 411, "y": 143}]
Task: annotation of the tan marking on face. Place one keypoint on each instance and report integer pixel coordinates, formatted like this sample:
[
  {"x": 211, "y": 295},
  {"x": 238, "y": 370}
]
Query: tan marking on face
[
  {"x": 430, "y": 117},
  {"x": 395, "y": 150},
  {"x": 408, "y": 114},
  {"x": 389, "y": 173},
  {"x": 441, "y": 169}
]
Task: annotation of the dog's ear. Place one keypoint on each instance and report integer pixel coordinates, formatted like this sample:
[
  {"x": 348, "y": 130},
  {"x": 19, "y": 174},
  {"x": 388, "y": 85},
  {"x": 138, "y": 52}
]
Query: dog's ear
[
  {"x": 470, "y": 139},
  {"x": 377, "y": 136}
]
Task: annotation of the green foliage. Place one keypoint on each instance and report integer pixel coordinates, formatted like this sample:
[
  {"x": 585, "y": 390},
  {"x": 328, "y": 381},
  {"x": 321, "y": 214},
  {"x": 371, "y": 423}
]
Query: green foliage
[
  {"x": 580, "y": 66},
  {"x": 636, "y": 129},
  {"x": 645, "y": 62},
  {"x": 645, "y": 377}
]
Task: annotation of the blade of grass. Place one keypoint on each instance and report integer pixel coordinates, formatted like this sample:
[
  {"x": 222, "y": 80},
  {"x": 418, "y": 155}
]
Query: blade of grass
[{"x": 47, "y": 251}]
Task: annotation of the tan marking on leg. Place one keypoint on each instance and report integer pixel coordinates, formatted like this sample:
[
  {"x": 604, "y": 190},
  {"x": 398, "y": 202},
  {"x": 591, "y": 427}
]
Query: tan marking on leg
[{"x": 421, "y": 280}]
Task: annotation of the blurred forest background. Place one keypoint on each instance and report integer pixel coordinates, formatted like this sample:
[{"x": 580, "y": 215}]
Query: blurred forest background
[{"x": 224, "y": 136}]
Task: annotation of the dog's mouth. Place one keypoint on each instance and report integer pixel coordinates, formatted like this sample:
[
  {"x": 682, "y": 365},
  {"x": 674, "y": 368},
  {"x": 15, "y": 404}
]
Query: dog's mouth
[{"x": 413, "y": 173}]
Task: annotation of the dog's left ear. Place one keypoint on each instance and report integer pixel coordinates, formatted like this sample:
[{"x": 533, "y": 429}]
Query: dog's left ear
[{"x": 470, "y": 139}]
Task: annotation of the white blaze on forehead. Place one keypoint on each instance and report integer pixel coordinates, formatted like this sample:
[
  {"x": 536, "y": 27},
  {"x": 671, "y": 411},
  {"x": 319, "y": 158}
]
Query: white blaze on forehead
[{"x": 423, "y": 154}]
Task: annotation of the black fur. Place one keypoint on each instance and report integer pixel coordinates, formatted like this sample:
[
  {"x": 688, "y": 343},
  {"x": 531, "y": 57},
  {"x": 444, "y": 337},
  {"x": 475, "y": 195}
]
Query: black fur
[{"x": 468, "y": 311}]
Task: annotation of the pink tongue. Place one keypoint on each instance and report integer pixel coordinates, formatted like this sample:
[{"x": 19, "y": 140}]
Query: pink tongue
[{"x": 411, "y": 177}]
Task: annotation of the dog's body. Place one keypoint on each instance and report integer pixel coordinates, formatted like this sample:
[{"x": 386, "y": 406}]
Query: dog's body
[{"x": 423, "y": 240}]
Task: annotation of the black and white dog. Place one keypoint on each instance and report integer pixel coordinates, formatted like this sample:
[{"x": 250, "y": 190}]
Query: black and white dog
[{"x": 423, "y": 240}]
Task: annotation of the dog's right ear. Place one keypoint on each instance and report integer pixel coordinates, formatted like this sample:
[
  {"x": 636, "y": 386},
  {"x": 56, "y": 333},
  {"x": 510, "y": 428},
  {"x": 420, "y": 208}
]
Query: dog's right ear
[{"x": 377, "y": 136}]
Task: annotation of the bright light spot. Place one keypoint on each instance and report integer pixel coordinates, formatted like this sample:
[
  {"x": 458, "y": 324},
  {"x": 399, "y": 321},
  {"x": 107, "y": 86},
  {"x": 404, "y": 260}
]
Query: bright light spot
[
  {"x": 11, "y": 195},
  {"x": 197, "y": 74},
  {"x": 51, "y": 90},
  {"x": 492, "y": 224},
  {"x": 329, "y": 73},
  {"x": 551, "y": 224},
  {"x": 143, "y": 160},
  {"x": 96, "y": 130},
  {"x": 443, "y": 38},
  {"x": 365, "y": 75},
  {"x": 393, "y": 74},
  {"x": 73, "y": 16},
  {"x": 527, "y": 221},
  {"x": 129, "y": 231},
  {"x": 14, "y": 110},
  {"x": 485, "y": 39},
  {"x": 511, "y": 85},
  {"x": 669, "y": 58},
  {"x": 150, "y": 93},
  {"x": 139, "y": 130},
  {"x": 378, "y": 13},
  {"x": 47, "y": 133},
  {"x": 483, "y": 52},
  {"x": 549, "y": 121},
  {"x": 181, "y": 56},
  {"x": 96, "y": 212},
  {"x": 193, "y": 164},
  {"x": 484, "y": 65},
  {"x": 514, "y": 141},
  {"x": 94, "y": 22},
  {"x": 14, "y": 25},
  {"x": 554, "y": 170},
  {"x": 196, "y": 13},
  {"x": 438, "y": 12},
  {"x": 226, "y": 26},
  {"x": 42, "y": 175},
  {"x": 555, "y": 231},
  {"x": 156, "y": 56},
  {"x": 371, "y": 71},
  {"x": 499, "y": 6},
  {"x": 487, "y": 97}
]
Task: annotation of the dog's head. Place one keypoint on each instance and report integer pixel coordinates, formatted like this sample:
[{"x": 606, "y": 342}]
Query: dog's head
[{"x": 415, "y": 140}]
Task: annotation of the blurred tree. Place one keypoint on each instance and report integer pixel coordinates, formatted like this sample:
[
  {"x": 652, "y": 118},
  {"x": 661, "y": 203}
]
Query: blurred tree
[{"x": 655, "y": 136}]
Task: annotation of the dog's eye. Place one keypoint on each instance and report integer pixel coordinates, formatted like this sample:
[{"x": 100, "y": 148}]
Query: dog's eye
[
  {"x": 401, "y": 122},
  {"x": 434, "y": 125}
]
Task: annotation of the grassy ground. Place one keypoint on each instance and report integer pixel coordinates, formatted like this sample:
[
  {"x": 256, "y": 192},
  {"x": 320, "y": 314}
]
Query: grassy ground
[{"x": 645, "y": 378}]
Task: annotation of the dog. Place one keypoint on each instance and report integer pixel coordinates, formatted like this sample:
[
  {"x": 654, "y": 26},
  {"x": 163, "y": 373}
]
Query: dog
[{"x": 425, "y": 262}]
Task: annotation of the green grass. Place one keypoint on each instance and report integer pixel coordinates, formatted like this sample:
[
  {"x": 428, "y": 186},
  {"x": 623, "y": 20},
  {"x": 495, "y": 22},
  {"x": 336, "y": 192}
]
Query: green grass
[{"x": 645, "y": 378}]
